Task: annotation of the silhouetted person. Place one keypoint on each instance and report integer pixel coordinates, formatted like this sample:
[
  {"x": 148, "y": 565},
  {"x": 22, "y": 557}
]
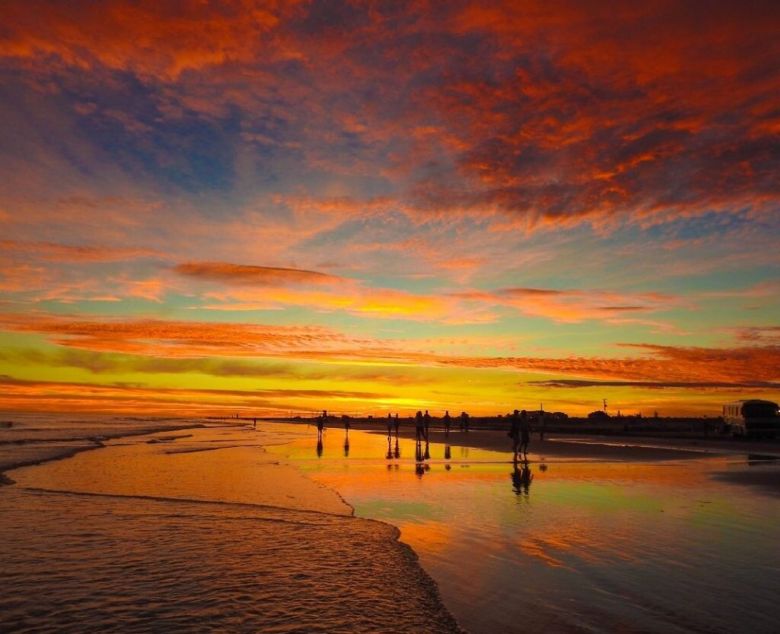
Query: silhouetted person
[
  {"x": 447, "y": 452},
  {"x": 396, "y": 425},
  {"x": 542, "y": 423},
  {"x": 514, "y": 433},
  {"x": 254, "y": 423},
  {"x": 427, "y": 421},
  {"x": 389, "y": 425},
  {"x": 447, "y": 423},
  {"x": 346, "y": 424},
  {"x": 525, "y": 432},
  {"x": 419, "y": 426},
  {"x": 464, "y": 421},
  {"x": 321, "y": 424}
]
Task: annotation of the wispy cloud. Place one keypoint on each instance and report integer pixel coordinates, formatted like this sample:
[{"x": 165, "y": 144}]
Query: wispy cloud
[
  {"x": 77, "y": 253},
  {"x": 243, "y": 274}
]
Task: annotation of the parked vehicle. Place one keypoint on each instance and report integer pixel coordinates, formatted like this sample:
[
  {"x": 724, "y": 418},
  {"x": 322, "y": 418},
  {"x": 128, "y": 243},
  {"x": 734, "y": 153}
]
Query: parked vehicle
[{"x": 752, "y": 418}]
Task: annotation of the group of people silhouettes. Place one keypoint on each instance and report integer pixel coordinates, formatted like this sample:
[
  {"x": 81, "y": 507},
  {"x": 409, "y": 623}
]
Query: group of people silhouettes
[{"x": 519, "y": 432}]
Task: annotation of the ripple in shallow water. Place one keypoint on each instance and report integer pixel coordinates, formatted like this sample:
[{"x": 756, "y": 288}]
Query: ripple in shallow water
[{"x": 87, "y": 563}]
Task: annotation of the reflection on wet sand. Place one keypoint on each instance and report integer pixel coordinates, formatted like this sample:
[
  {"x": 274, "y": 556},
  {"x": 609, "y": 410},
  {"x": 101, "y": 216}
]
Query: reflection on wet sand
[
  {"x": 608, "y": 544},
  {"x": 421, "y": 455},
  {"x": 198, "y": 564},
  {"x": 521, "y": 477}
]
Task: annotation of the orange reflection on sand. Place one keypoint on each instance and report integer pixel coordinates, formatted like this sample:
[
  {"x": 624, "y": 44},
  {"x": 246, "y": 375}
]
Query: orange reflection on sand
[
  {"x": 555, "y": 543},
  {"x": 430, "y": 536},
  {"x": 212, "y": 465}
]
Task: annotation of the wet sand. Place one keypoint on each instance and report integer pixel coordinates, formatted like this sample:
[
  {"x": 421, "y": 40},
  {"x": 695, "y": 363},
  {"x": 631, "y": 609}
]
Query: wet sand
[
  {"x": 21, "y": 446},
  {"x": 610, "y": 448},
  {"x": 200, "y": 531},
  {"x": 584, "y": 544},
  {"x": 630, "y": 449}
]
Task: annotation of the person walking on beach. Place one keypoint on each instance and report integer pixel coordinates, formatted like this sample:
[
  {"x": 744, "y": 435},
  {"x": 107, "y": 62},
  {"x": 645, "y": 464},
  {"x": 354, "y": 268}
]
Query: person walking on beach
[
  {"x": 464, "y": 421},
  {"x": 514, "y": 433},
  {"x": 427, "y": 420},
  {"x": 321, "y": 423},
  {"x": 525, "y": 432},
  {"x": 396, "y": 425},
  {"x": 389, "y": 425},
  {"x": 447, "y": 423},
  {"x": 419, "y": 426}
]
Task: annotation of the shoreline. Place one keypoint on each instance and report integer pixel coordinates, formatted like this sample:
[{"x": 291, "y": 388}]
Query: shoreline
[
  {"x": 422, "y": 591},
  {"x": 96, "y": 441}
]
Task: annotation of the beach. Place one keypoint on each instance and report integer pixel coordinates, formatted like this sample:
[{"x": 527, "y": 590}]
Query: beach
[
  {"x": 223, "y": 526},
  {"x": 200, "y": 531}
]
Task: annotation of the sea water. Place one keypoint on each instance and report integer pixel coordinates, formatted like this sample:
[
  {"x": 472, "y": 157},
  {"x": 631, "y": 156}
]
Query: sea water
[
  {"x": 216, "y": 528},
  {"x": 199, "y": 530},
  {"x": 564, "y": 545}
]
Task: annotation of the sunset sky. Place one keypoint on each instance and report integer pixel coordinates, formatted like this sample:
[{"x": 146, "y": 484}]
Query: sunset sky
[{"x": 266, "y": 207}]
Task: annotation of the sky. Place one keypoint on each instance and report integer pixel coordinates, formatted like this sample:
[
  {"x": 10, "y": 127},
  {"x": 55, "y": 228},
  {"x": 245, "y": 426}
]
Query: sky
[{"x": 267, "y": 208}]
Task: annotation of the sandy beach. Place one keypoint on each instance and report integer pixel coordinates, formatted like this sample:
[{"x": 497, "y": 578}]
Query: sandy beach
[
  {"x": 266, "y": 529},
  {"x": 200, "y": 527}
]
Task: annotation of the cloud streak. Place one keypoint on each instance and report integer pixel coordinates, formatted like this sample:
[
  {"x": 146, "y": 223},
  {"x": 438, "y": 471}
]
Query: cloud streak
[{"x": 243, "y": 274}]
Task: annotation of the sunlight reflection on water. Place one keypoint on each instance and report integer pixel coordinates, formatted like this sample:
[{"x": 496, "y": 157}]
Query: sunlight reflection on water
[{"x": 569, "y": 545}]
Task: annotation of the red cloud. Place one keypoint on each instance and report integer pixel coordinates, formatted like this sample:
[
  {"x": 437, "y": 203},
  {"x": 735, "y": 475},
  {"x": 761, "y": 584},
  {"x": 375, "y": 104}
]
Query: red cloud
[
  {"x": 160, "y": 37},
  {"x": 551, "y": 113}
]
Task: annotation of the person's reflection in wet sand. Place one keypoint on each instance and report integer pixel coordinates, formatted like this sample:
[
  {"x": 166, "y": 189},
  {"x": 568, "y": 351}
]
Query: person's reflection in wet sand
[
  {"x": 346, "y": 443},
  {"x": 447, "y": 452},
  {"x": 427, "y": 454},
  {"x": 419, "y": 466},
  {"x": 397, "y": 449},
  {"x": 319, "y": 447},
  {"x": 521, "y": 477},
  {"x": 389, "y": 454}
]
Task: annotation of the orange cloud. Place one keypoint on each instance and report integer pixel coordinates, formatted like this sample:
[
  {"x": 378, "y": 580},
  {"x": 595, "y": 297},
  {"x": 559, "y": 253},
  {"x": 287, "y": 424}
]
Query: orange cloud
[
  {"x": 743, "y": 366},
  {"x": 252, "y": 275},
  {"x": 71, "y": 253},
  {"x": 571, "y": 305},
  {"x": 162, "y": 38},
  {"x": 751, "y": 365},
  {"x": 74, "y": 396}
]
